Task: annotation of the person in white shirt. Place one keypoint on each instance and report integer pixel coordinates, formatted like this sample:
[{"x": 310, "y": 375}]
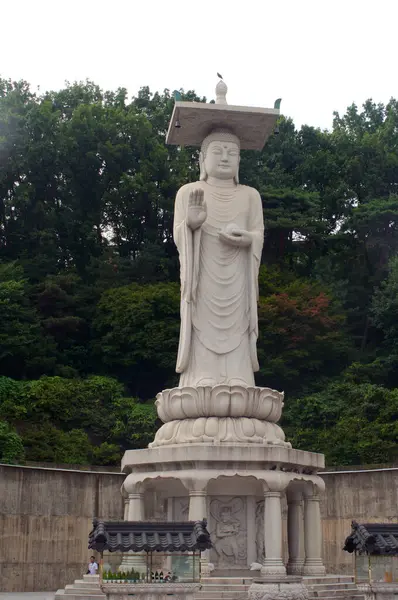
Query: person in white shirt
[{"x": 92, "y": 566}]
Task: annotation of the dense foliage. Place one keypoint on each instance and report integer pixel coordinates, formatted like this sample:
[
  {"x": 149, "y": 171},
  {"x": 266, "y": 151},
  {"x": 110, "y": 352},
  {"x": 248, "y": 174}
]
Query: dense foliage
[{"x": 89, "y": 294}]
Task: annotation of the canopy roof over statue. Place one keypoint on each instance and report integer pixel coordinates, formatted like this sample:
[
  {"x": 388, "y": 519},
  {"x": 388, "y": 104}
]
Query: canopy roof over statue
[{"x": 191, "y": 122}]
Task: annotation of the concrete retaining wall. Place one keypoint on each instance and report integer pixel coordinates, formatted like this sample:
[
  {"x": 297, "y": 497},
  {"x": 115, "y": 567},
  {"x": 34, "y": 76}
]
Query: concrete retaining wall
[
  {"x": 366, "y": 496},
  {"x": 45, "y": 518}
]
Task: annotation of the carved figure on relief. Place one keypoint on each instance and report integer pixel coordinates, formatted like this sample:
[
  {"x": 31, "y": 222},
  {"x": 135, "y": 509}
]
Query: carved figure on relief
[
  {"x": 218, "y": 230},
  {"x": 230, "y": 539},
  {"x": 181, "y": 509}
]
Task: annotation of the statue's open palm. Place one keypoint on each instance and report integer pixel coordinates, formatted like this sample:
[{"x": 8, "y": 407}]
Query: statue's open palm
[{"x": 197, "y": 211}]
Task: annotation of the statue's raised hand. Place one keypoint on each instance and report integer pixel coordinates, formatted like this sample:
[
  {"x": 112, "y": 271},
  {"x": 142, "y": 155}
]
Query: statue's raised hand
[{"x": 197, "y": 211}]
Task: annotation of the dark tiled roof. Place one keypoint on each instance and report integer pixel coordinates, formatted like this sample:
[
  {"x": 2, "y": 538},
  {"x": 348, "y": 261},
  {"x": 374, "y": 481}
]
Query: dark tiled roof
[
  {"x": 373, "y": 538},
  {"x": 122, "y": 536}
]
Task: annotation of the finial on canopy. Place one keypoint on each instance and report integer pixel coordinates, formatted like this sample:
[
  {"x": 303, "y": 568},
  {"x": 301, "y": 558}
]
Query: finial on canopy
[{"x": 221, "y": 92}]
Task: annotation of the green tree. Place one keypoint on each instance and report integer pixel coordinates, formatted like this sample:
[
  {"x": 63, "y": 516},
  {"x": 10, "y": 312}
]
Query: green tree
[
  {"x": 137, "y": 329},
  {"x": 11, "y": 446},
  {"x": 80, "y": 421},
  {"x": 352, "y": 424},
  {"x": 24, "y": 350},
  {"x": 136, "y": 424},
  {"x": 302, "y": 339},
  {"x": 385, "y": 307}
]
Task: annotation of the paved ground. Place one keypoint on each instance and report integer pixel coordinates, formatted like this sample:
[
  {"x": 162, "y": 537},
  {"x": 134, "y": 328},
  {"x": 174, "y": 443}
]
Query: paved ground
[{"x": 27, "y": 596}]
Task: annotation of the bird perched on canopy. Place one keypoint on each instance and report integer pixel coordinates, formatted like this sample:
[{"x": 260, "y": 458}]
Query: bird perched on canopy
[{"x": 220, "y": 76}]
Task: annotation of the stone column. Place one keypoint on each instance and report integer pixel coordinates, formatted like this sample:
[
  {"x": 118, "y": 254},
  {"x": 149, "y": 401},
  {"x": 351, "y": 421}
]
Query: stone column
[
  {"x": 197, "y": 505},
  {"x": 197, "y": 512},
  {"x": 170, "y": 503},
  {"x": 135, "y": 512},
  {"x": 126, "y": 508},
  {"x": 295, "y": 533},
  {"x": 136, "y": 506},
  {"x": 313, "y": 536},
  {"x": 273, "y": 564}
]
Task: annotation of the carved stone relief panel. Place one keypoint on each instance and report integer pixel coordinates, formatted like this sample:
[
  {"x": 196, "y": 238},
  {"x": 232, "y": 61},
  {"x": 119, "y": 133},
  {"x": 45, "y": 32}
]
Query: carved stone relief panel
[
  {"x": 155, "y": 506},
  {"x": 181, "y": 509},
  {"x": 260, "y": 547},
  {"x": 229, "y": 532}
]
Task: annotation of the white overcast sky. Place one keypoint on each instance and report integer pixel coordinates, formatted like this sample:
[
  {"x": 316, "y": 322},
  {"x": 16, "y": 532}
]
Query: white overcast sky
[{"x": 318, "y": 55}]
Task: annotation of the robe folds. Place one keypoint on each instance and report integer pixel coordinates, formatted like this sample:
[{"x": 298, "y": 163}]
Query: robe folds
[{"x": 219, "y": 287}]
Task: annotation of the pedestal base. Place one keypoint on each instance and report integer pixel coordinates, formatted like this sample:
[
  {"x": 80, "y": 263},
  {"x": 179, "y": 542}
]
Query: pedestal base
[
  {"x": 239, "y": 488},
  {"x": 295, "y": 567},
  {"x": 284, "y": 588},
  {"x": 313, "y": 567},
  {"x": 272, "y": 568},
  {"x": 133, "y": 562}
]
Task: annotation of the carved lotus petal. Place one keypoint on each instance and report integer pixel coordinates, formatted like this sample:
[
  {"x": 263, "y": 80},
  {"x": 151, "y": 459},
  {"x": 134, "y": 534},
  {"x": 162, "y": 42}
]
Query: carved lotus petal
[
  {"x": 248, "y": 427},
  {"x": 220, "y": 430},
  {"x": 161, "y": 405},
  {"x": 239, "y": 401},
  {"x": 189, "y": 402},
  {"x": 220, "y": 401},
  {"x": 212, "y": 427},
  {"x": 198, "y": 427}
]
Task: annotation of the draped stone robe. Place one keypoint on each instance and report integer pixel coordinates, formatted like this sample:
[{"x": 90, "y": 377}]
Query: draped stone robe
[{"x": 219, "y": 287}]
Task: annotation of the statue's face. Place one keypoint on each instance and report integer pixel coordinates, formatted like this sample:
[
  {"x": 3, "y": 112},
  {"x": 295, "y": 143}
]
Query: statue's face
[
  {"x": 222, "y": 160},
  {"x": 225, "y": 515}
]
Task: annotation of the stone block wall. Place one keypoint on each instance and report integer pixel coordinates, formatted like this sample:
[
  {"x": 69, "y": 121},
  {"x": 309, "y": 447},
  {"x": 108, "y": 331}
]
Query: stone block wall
[
  {"x": 368, "y": 496},
  {"x": 46, "y": 514},
  {"x": 45, "y": 519}
]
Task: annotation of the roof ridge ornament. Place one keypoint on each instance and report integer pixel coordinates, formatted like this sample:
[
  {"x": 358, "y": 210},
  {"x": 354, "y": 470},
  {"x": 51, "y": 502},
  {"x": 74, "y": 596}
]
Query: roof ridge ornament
[{"x": 221, "y": 92}]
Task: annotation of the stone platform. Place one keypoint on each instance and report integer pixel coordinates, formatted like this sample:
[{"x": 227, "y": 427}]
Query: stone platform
[
  {"x": 239, "y": 488},
  {"x": 330, "y": 587}
]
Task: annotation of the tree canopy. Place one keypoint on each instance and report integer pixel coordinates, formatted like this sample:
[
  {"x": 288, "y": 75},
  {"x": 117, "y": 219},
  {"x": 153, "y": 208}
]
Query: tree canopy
[{"x": 89, "y": 291}]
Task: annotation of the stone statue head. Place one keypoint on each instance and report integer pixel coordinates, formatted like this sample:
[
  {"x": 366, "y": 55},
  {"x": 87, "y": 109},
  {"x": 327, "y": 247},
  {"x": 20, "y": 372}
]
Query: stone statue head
[{"x": 219, "y": 156}]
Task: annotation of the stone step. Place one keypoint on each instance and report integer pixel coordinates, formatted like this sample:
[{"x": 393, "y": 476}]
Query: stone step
[
  {"x": 333, "y": 591},
  {"x": 320, "y": 587},
  {"x": 349, "y": 596},
  {"x": 226, "y": 594},
  {"x": 342, "y": 593},
  {"x": 227, "y": 580},
  {"x": 338, "y": 588},
  {"x": 204, "y": 596},
  {"x": 83, "y": 591},
  {"x": 84, "y": 583},
  {"x": 328, "y": 579},
  {"x": 77, "y": 596},
  {"x": 217, "y": 587}
]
